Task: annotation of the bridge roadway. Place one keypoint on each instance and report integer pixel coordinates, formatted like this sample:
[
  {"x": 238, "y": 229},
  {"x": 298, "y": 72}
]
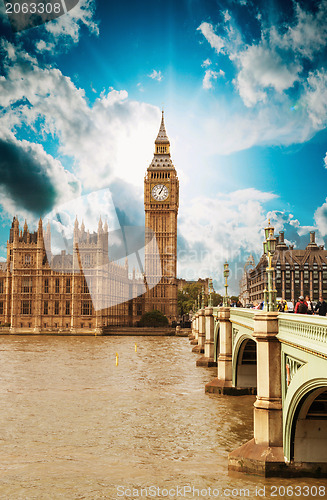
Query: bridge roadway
[{"x": 282, "y": 358}]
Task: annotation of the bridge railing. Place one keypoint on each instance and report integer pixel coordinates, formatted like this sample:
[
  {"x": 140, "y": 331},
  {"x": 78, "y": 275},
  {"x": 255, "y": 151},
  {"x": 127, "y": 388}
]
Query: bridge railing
[
  {"x": 242, "y": 317},
  {"x": 306, "y": 332}
]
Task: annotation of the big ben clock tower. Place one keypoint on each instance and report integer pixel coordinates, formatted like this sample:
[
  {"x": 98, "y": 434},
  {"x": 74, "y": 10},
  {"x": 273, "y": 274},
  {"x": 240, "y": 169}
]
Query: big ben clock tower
[{"x": 161, "y": 194}]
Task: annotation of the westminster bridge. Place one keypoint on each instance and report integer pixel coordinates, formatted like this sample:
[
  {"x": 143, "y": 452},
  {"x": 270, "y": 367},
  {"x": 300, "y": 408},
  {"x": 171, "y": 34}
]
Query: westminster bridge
[{"x": 282, "y": 358}]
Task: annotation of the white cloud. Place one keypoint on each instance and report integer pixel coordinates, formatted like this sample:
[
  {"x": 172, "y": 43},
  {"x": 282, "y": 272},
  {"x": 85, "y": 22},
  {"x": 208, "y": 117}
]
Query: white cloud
[
  {"x": 215, "y": 41},
  {"x": 320, "y": 218},
  {"x": 42, "y": 46},
  {"x": 65, "y": 30},
  {"x": 206, "y": 63},
  {"x": 93, "y": 135},
  {"x": 234, "y": 231},
  {"x": 262, "y": 68},
  {"x": 308, "y": 33},
  {"x": 209, "y": 76},
  {"x": 316, "y": 98},
  {"x": 156, "y": 75}
]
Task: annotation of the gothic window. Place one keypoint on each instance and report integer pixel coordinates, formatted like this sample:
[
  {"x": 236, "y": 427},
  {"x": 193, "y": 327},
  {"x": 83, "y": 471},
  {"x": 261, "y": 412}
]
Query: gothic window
[
  {"x": 27, "y": 259},
  {"x": 85, "y": 287},
  {"x": 67, "y": 310},
  {"x": 87, "y": 259},
  {"x": 57, "y": 285},
  {"x": 46, "y": 285},
  {"x": 68, "y": 288},
  {"x": 56, "y": 307},
  {"x": 26, "y": 285},
  {"x": 1, "y": 286},
  {"x": 1, "y": 307},
  {"x": 26, "y": 307},
  {"x": 46, "y": 308},
  {"x": 86, "y": 308}
]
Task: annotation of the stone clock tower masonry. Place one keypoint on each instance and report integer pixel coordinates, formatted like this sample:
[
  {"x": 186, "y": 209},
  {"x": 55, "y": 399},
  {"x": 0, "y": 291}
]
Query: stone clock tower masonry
[{"x": 161, "y": 195}]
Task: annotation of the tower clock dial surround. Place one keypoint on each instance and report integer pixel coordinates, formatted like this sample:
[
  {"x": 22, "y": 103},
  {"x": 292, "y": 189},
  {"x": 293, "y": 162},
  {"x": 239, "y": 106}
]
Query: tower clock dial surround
[{"x": 160, "y": 192}]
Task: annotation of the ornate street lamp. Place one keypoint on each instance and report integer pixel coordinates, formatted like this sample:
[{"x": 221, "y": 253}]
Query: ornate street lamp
[
  {"x": 202, "y": 298},
  {"x": 226, "y": 274},
  {"x": 210, "y": 293},
  {"x": 269, "y": 248}
]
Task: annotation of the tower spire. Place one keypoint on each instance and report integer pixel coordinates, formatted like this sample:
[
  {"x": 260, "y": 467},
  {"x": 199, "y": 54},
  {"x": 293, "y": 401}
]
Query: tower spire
[{"x": 162, "y": 137}]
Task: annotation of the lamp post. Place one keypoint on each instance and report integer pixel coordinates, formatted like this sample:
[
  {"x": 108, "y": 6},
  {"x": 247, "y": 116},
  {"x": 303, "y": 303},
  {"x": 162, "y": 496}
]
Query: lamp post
[
  {"x": 199, "y": 302},
  {"x": 210, "y": 293},
  {"x": 226, "y": 274},
  {"x": 269, "y": 248},
  {"x": 202, "y": 298}
]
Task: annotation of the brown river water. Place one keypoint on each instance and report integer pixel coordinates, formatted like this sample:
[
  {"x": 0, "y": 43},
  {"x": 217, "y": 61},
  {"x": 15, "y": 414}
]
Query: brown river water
[{"x": 76, "y": 426}]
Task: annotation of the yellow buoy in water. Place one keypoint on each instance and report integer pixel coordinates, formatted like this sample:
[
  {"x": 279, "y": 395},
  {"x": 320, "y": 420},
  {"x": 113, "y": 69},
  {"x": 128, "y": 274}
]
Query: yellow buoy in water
[
  {"x": 135, "y": 347},
  {"x": 116, "y": 358}
]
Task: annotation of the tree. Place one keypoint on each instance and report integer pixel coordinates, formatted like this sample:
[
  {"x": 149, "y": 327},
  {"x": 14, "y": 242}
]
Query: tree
[
  {"x": 190, "y": 292},
  {"x": 187, "y": 296},
  {"x": 154, "y": 318}
]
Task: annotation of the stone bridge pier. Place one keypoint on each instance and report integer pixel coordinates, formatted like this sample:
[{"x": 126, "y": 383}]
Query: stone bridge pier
[
  {"x": 264, "y": 453},
  {"x": 282, "y": 358}
]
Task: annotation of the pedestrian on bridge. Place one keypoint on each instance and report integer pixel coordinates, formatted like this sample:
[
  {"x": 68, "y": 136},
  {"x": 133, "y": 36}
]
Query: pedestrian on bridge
[
  {"x": 321, "y": 307},
  {"x": 301, "y": 306},
  {"x": 309, "y": 304}
]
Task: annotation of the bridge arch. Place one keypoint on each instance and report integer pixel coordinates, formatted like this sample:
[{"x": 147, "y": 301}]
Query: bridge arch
[
  {"x": 216, "y": 341},
  {"x": 305, "y": 429},
  {"x": 245, "y": 362}
]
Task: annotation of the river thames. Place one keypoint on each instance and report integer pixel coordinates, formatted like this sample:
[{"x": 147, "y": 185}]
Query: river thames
[{"x": 76, "y": 426}]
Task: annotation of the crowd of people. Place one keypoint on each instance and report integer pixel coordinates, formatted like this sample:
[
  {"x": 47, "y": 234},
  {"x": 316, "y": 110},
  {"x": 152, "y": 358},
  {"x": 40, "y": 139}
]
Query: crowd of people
[{"x": 303, "y": 306}]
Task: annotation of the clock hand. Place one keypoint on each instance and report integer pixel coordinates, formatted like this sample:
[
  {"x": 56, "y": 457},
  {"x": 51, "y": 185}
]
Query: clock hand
[{"x": 161, "y": 190}]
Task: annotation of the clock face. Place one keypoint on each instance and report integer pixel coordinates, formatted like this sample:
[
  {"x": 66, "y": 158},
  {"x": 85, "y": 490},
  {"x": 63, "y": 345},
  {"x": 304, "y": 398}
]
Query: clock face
[{"x": 160, "y": 192}]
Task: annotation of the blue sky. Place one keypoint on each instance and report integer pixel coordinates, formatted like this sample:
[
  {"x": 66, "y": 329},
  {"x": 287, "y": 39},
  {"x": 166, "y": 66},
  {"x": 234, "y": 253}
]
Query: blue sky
[{"x": 244, "y": 88}]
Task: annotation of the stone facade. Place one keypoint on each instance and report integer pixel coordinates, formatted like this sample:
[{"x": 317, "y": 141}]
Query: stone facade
[{"x": 297, "y": 272}]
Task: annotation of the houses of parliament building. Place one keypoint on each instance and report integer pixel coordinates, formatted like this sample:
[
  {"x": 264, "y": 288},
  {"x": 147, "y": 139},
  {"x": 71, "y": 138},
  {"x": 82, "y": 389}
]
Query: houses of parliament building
[{"x": 84, "y": 290}]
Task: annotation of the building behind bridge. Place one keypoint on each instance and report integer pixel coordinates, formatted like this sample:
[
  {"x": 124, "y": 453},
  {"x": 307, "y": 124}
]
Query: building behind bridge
[{"x": 297, "y": 272}]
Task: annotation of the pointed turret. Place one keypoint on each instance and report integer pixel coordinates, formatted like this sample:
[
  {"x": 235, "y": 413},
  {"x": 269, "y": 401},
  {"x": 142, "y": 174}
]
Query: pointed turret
[
  {"x": 105, "y": 227},
  {"x": 15, "y": 230},
  {"x": 82, "y": 227},
  {"x": 47, "y": 240},
  {"x": 162, "y": 142},
  {"x": 161, "y": 156},
  {"x": 76, "y": 230},
  {"x": 40, "y": 233},
  {"x": 100, "y": 229},
  {"x": 162, "y": 136},
  {"x": 25, "y": 227}
]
